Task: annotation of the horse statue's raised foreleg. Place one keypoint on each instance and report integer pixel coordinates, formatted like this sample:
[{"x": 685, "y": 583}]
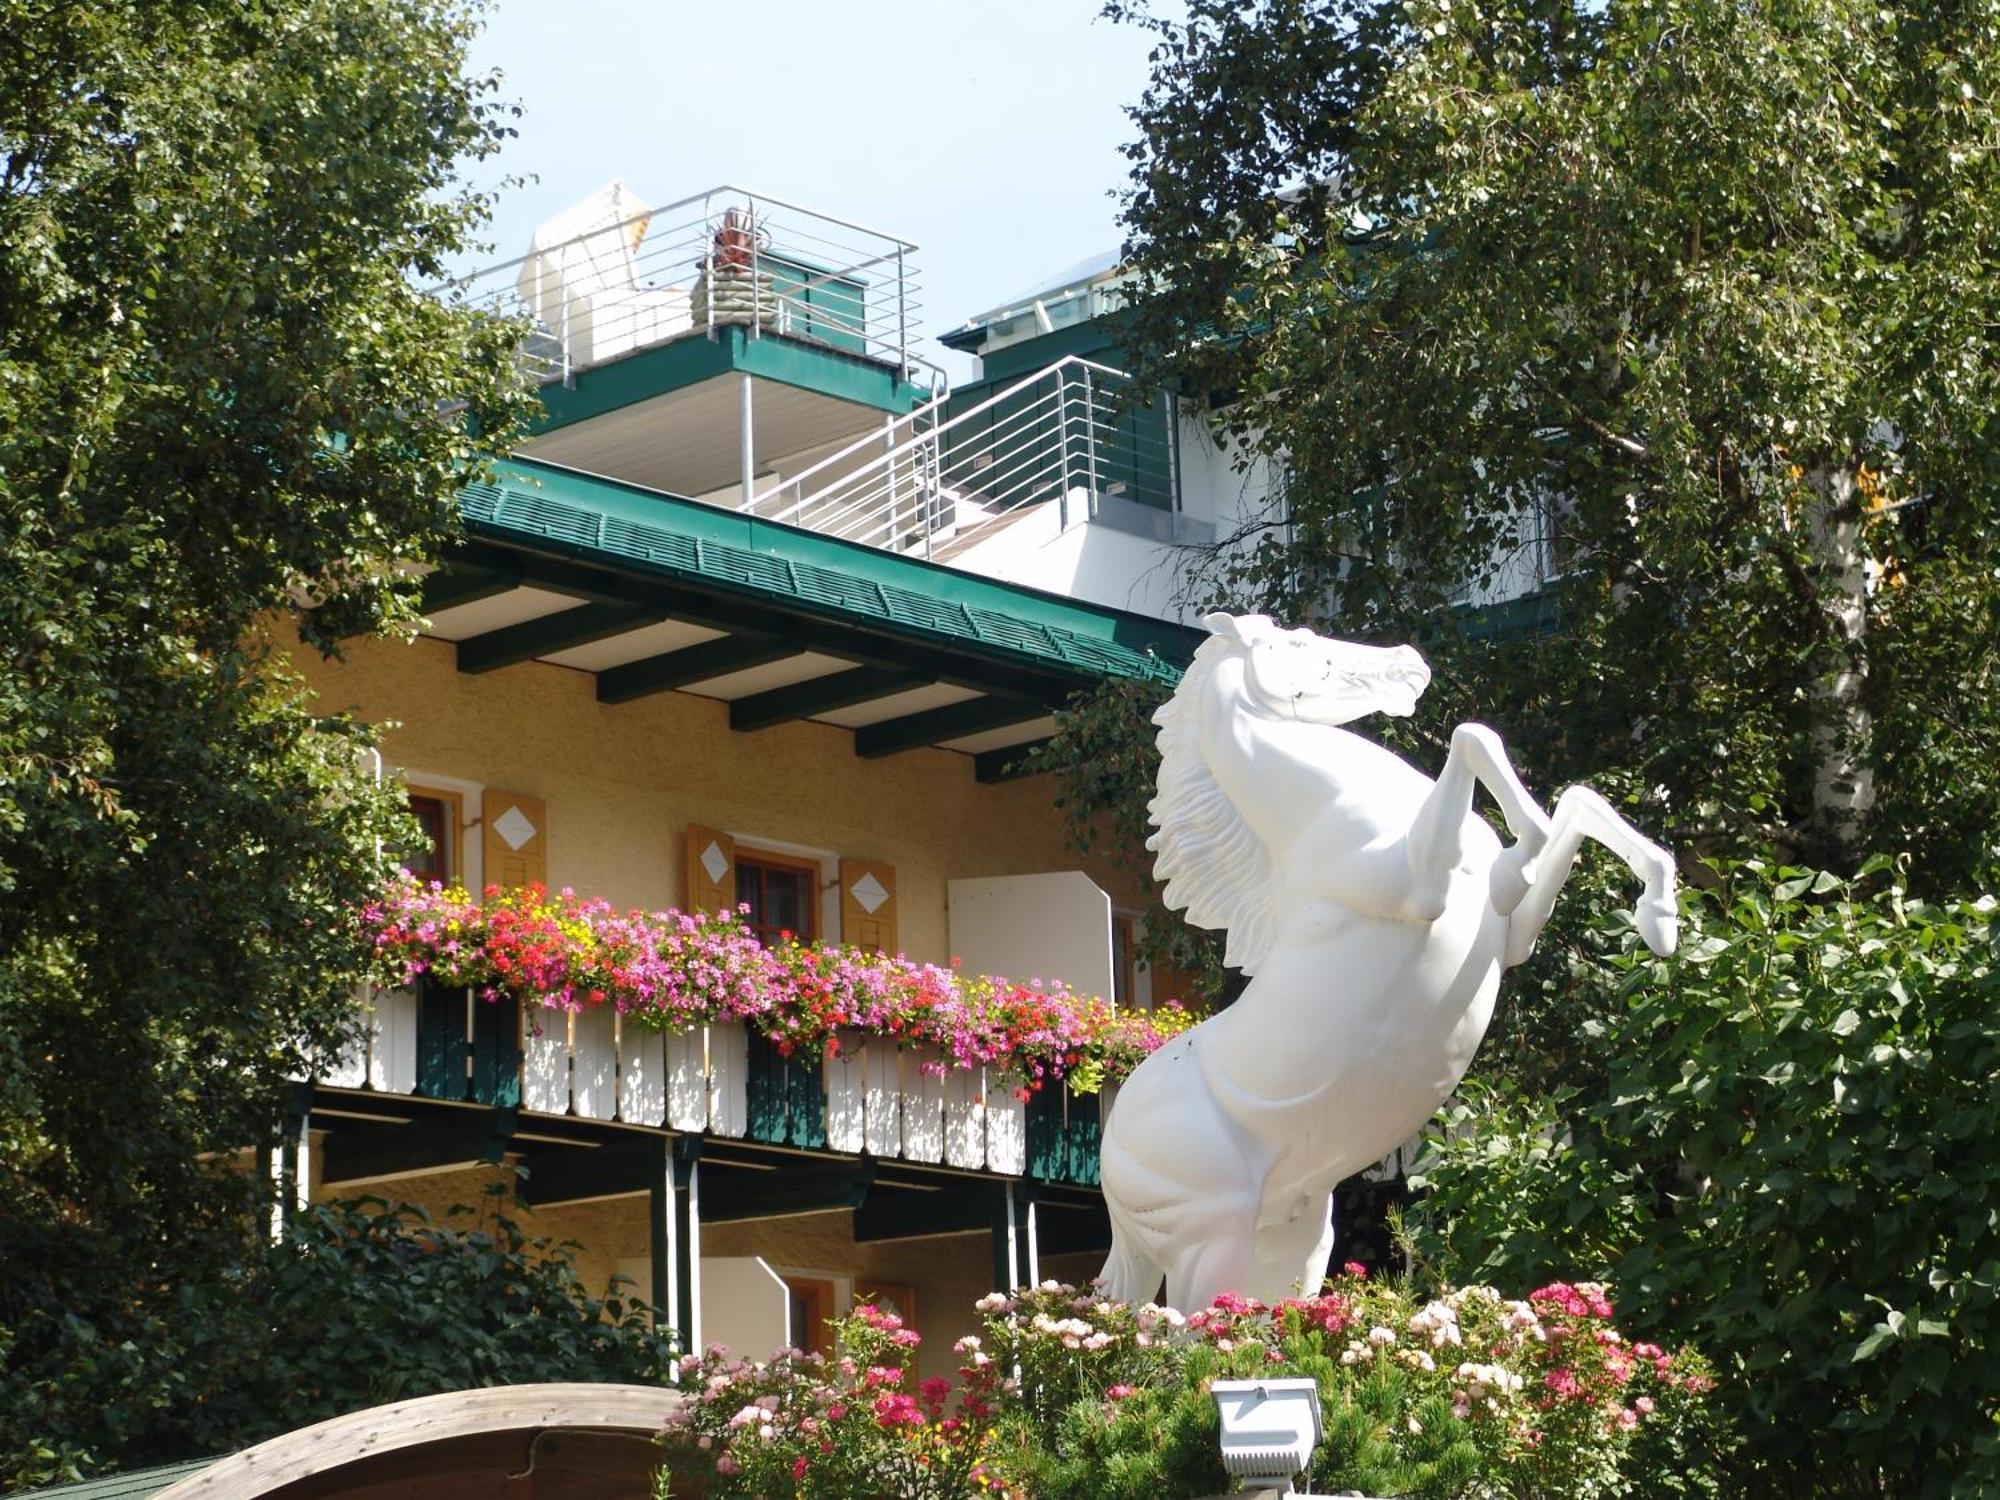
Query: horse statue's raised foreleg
[
  {"x": 1436, "y": 840},
  {"x": 1582, "y": 814}
]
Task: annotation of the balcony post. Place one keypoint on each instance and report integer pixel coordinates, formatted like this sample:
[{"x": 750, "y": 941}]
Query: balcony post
[
  {"x": 749, "y": 441},
  {"x": 674, "y": 1224}
]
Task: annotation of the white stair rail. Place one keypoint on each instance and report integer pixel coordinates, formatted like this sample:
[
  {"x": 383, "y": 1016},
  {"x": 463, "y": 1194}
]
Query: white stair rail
[{"x": 1042, "y": 437}]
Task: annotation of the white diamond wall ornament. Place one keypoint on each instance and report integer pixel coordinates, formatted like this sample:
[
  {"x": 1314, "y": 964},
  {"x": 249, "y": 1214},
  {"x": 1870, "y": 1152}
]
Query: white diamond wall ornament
[
  {"x": 1374, "y": 912},
  {"x": 869, "y": 892},
  {"x": 714, "y": 861},
  {"x": 513, "y": 826}
]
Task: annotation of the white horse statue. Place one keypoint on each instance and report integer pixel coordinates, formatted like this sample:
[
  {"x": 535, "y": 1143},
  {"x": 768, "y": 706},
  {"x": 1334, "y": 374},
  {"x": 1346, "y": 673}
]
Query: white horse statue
[{"x": 1374, "y": 912}]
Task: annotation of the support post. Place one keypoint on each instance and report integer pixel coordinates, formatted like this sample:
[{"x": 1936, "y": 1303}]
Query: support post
[
  {"x": 1004, "y": 1262},
  {"x": 674, "y": 1204},
  {"x": 889, "y": 471},
  {"x": 1031, "y": 1255},
  {"x": 687, "y": 1256},
  {"x": 1017, "y": 1260},
  {"x": 1090, "y": 440},
  {"x": 748, "y": 435},
  {"x": 902, "y": 318},
  {"x": 660, "y": 1237}
]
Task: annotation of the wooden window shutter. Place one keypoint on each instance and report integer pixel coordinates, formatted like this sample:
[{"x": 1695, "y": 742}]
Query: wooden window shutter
[
  {"x": 515, "y": 840},
  {"x": 868, "y": 904},
  {"x": 711, "y": 869}
]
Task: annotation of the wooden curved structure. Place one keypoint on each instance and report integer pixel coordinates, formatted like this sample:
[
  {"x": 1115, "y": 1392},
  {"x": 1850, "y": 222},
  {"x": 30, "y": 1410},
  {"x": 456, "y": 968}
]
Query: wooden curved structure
[{"x": 524, "y": 1442}]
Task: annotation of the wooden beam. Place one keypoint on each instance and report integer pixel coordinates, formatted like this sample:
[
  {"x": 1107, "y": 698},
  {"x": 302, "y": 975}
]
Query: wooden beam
[
  {"x": 673, "y": 669},
  {"x": 1006, "y": 764},
  {"x": 469, "y": 1138},
  {"x": 450, "y": 587},
  {"x": 578, "y": 1174},
  {"x": 803, "y": 700},
  {"x": 960, "y": 1206},
  {"x": 1071, "y": 1228},
  {"x": 581, "y": 626},
  {"x": 975, "y": 716},
  {"x": 801, "y": 1188},
  {"x": 964, "y": 666}
]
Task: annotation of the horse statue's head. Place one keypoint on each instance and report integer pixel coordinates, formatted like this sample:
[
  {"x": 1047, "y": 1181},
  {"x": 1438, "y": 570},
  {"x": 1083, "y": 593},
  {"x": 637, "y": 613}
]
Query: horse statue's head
[
  {"x": 1295, "y": 674},
  {"x": 1210, "y": 861}
]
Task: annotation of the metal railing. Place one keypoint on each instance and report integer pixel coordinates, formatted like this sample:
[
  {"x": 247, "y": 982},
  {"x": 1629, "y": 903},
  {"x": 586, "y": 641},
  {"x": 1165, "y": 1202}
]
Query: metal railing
[
  {"x": 936, "y": 482},
  {"x": 726, "y": 256}
]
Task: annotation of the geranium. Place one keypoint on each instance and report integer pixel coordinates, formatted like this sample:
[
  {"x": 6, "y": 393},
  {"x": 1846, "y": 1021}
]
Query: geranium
[{"x": 673, "y": 970}]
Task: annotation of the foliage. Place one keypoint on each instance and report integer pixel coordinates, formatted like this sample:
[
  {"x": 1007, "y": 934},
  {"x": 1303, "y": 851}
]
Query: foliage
[
  {"x": 219, "y": 396},
  {"x": 671, "y": 970},
  {"x": 1678, "y": 309},
  {"x": 1793, "y": 1163},
  {"x": 364, "y": 1303},
  {"x": 1068, "y": 1395}
]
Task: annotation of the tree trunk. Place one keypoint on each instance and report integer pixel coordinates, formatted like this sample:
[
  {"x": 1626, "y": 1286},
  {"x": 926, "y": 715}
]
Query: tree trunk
[{"x": 1843, "y": 785}]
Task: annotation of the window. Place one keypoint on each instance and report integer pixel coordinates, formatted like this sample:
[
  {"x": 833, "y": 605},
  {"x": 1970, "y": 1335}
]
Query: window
[
  {"x": 1131, "y": 975},
  {"x": 812, "y": 1306},
  {"x": 782, "y": 894},
  {"x": 436, "y": 854}
]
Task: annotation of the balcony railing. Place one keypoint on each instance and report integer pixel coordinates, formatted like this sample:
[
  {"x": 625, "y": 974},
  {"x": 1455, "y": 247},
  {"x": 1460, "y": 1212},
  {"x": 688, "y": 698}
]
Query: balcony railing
[
  {"x": 866, "y": 1095},
  {"x": 938, "y": 481},
  {"x": 610, "y": 277}
]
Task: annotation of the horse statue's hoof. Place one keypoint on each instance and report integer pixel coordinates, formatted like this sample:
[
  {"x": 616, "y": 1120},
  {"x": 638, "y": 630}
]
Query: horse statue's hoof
[{"x": 1659, "y": 923}]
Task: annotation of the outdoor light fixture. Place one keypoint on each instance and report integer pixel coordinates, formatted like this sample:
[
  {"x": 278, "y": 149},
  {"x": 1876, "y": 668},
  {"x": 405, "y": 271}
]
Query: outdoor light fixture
[{"x": 1269, "y": 1427}]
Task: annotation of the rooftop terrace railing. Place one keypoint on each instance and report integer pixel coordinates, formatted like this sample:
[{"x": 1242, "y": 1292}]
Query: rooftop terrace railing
[{"x": 608, "y": 278}]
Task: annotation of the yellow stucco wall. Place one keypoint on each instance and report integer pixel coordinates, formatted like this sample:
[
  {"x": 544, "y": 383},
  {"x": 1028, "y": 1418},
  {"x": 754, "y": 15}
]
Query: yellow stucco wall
[{"x": 621, "y": 782}]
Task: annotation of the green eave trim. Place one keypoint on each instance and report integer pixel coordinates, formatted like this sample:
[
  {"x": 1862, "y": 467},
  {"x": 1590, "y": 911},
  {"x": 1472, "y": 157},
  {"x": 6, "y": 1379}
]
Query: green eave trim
[
  {"x": 644, "y": 533},
  {"x": 690, "y": 360}
]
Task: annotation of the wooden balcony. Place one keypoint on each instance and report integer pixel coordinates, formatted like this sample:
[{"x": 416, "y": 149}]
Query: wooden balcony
[{"x": 867, "y": 1096}]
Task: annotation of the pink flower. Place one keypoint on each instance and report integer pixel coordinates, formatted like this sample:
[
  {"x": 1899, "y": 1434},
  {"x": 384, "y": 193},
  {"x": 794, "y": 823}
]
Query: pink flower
[{"x": 1121, "y": 1391}]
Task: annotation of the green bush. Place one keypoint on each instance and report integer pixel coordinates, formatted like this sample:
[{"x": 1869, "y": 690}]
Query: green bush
[
  {"x": 1795, "y": 1165},
  {"x": 1468, "y": 1396},
  {"x": 365, "y": 1303}
]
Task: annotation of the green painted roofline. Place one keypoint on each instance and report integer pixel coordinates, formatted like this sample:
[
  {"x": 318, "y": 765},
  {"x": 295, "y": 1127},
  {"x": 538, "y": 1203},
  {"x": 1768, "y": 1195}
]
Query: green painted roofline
[{"x": 627, "y": 528}]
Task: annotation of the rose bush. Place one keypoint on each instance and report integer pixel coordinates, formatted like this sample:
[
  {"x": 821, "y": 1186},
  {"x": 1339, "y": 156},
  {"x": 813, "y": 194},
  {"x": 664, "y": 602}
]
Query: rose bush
[
  {"x": 1066, "y": 1394},
  {"x": 672, "y": 970}
]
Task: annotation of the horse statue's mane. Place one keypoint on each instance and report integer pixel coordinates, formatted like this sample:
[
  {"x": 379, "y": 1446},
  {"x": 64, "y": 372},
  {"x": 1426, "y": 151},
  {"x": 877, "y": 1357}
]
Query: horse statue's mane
[{"x": 1210, "y": 861}]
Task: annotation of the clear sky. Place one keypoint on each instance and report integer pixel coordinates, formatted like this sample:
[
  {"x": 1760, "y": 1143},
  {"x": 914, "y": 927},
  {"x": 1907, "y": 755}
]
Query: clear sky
[{"x": 988, "y": 133}]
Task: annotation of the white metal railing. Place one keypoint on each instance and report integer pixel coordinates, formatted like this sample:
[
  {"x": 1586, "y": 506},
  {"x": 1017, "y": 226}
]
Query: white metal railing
[
  {"x": 933, "y": 482},
  {"x": 610, "y": 277}
]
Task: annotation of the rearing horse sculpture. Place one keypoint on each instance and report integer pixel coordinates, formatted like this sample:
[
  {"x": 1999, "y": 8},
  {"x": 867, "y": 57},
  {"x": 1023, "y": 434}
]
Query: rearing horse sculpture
[{"x": 1374, "y": 912}]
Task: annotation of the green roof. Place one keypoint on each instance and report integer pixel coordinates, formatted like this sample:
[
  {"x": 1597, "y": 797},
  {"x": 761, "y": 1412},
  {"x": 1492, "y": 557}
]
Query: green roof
[
  {"x": 540, "y": 507},
  {"x": 134, "y": 1484}
]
